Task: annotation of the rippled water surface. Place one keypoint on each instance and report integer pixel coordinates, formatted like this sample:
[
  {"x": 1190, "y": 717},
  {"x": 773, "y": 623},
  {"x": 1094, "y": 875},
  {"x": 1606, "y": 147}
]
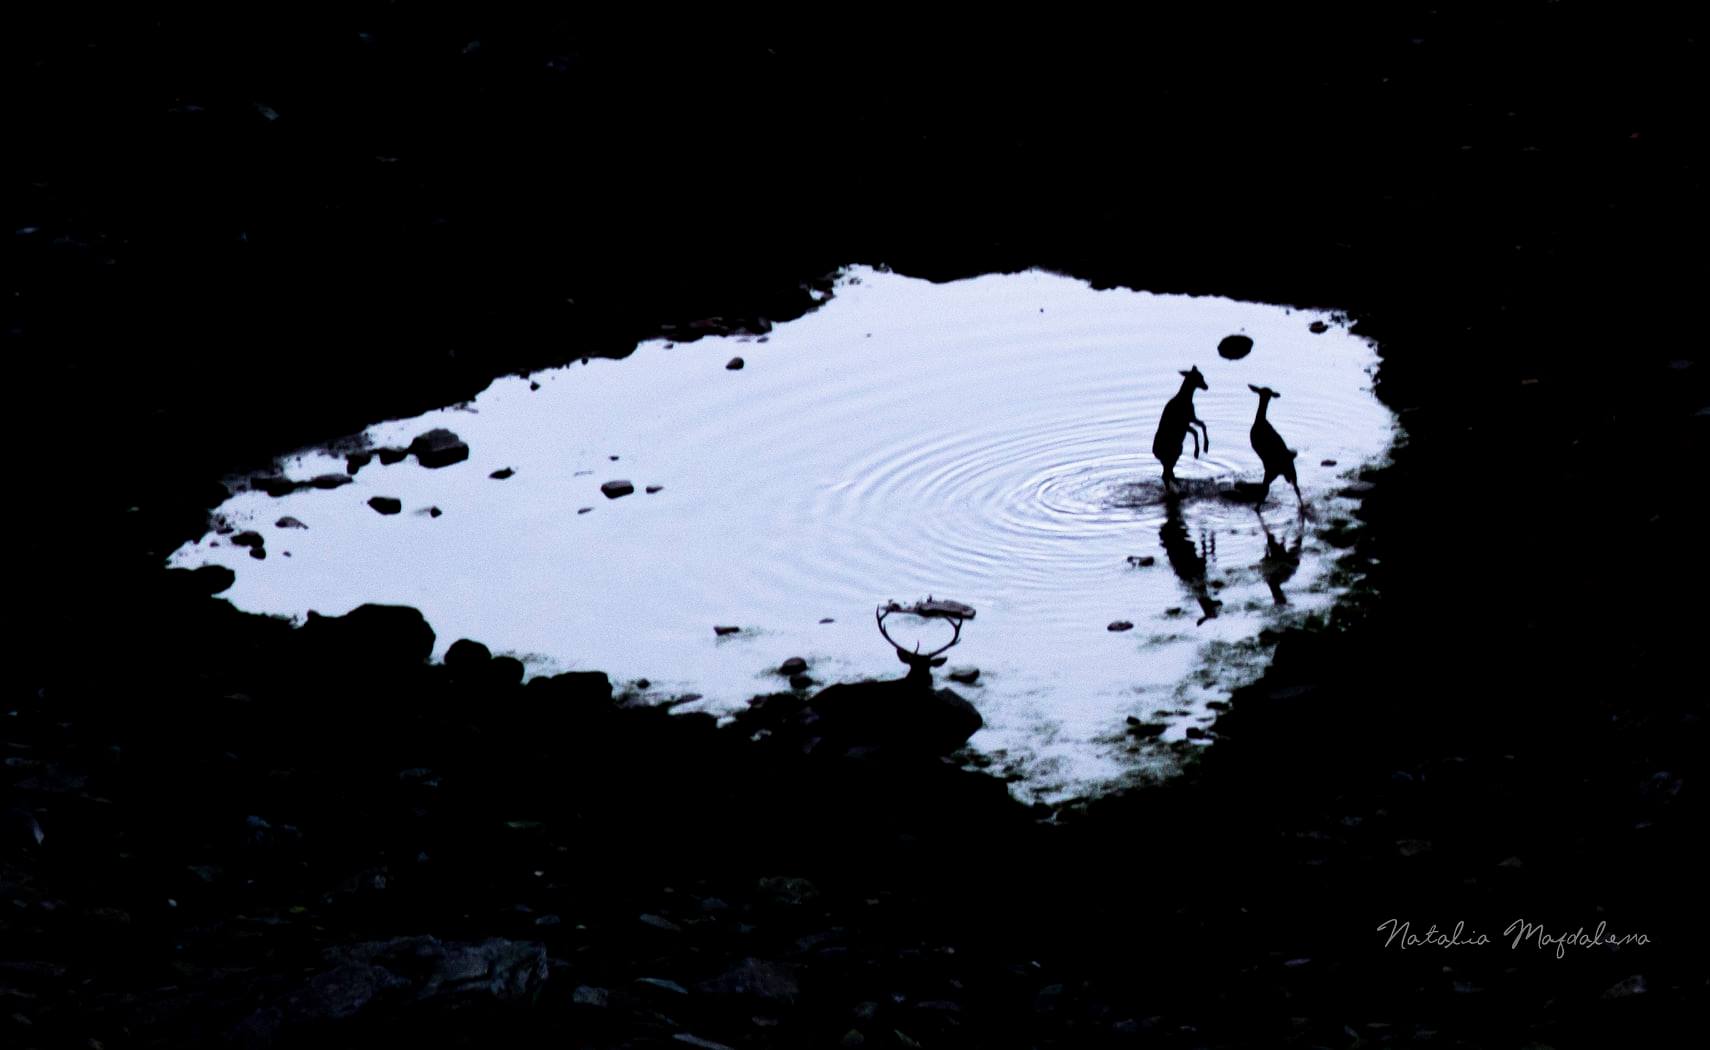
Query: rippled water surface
[{"x": 987, "y": 440}]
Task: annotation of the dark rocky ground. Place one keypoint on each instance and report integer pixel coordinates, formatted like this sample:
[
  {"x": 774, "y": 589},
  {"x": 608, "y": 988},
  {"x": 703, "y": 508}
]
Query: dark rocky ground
[{"x": 237, "y": 234}]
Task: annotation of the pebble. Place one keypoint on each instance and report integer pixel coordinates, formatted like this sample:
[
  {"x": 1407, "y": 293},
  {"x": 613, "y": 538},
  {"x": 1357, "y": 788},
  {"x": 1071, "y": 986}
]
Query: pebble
[
  {"x": 1120, "y": 625},
  {"x": 614, "y": 489},
  {"x": 734, "y": 364},
  {"x": 386, "y": 504}
]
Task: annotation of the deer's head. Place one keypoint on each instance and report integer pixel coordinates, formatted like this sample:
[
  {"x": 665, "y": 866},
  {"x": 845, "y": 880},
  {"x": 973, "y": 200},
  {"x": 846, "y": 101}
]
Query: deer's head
[{"x": 919, "y": 664}]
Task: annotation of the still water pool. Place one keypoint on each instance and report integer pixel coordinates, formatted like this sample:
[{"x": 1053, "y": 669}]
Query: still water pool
[{"x": 985, "y": 440}]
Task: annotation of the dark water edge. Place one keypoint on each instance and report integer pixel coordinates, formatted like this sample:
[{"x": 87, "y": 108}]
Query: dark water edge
[{"x": 1509, "y": 726}]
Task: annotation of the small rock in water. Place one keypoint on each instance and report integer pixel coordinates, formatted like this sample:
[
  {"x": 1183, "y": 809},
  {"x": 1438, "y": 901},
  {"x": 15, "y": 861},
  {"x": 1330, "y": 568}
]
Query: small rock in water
[
  {"x": 500, "y": 475},
  {"x": 329, "y": 481},
  {"x": 1326, "y": 462},
  {"x": 827, "y": 619},
  {"x": 1145, "y": 730},
  {"x": 289, "y": 522},
  {"x": 356, "y": 461},
  {"x": 1318, "y": 328},
  {"x": 1234, "y": 347},
  {"x": 794, "y": 665},
  {"x": 965, "y": 675},
  {"x": 613, "y": 458},
  {"x": 935, "y": 607},
  {"x": 389, "y": 456},
  {"x": 733, "y": 364},
  {"x": 651, "y": 489},
  {"x": 258, "y": 553},
  {"x": 800, "y": 681},
  {"x": 1142, "y": 561},
  {"x": 1196, "y": 733},
  {"x": 534, "y": 386},
  {"x": 1120, "y": 625},
  {"x": 247, "y": 539},
  {"x": 274, "y": 485},
  {"x": 386, "y": 504},
  {"x": 583, "y": 510},
  {"x": 439, "y": 448},
  {"x": 722, "y": 631},
  {"x": 434, "y": 512},
  {"x": 614, "y": 489}
]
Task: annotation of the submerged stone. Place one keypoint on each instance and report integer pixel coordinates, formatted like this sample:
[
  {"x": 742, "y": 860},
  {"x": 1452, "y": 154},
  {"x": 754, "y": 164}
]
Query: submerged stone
[
  {"x": 386, "y": 504},
  {"x": 616, "y": 489}
]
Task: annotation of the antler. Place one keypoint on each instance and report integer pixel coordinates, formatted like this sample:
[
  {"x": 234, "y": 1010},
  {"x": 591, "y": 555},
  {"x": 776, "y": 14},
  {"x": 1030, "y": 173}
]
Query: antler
[{"x": 883, "y": 611}]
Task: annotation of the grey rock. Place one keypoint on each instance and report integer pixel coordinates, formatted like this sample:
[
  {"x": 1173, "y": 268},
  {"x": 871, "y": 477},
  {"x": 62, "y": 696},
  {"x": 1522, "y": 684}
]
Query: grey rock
[
  {"x": 794, "y": 665},
  {"x": 587, "y": 995},
  {"x": 662, "y": 985},
  {"x": 734, "y": 364},
  {"x": 438, "y": 448},
  {"x": 289, "y": 522},
  {"x": 617, "y": 488},
  {"x": 386, "y": 504},
  {"x": 772, "y": 982},
  {"x": 965, "y": 675},
  {"x": 1120, "y": 625},
  {"x": 422, "y": 969}
]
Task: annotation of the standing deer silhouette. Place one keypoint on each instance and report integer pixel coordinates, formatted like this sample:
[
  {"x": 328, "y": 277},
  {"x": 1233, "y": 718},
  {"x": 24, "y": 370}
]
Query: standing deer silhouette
[
  {"x": 1178, "y": 422},
  {"x": 1277, "y": 457}
]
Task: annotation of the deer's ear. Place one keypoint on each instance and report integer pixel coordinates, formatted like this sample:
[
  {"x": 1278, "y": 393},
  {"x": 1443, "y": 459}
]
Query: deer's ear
[
  {"x": 940, "y": 661},
  {"x": 902, "y": 657}
]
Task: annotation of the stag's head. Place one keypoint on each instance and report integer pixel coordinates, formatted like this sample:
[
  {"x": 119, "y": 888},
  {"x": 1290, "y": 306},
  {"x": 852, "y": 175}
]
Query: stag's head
[
  {"x": 1195, "y": 378},
  {"x": 919, "y": 664}
]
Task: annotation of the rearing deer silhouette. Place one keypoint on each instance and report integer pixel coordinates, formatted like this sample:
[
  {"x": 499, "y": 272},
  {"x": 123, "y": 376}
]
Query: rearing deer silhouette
[{"x": 1178, "y": 422}]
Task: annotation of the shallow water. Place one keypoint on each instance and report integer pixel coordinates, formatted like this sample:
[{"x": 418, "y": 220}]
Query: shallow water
[{"x": 985, "y": 440}]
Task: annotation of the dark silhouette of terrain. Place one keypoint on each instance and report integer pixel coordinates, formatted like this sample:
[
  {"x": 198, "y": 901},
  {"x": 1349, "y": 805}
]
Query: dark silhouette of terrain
[{"x": 232, "y": 234}]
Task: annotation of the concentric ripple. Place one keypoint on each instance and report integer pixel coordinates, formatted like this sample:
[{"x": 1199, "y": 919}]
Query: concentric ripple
[{"x": 986, "y": 440}]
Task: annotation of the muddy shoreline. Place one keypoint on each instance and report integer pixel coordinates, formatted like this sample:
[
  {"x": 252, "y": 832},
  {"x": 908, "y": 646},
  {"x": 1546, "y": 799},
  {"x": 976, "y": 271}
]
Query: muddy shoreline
[{"x": 217, "y": 833}]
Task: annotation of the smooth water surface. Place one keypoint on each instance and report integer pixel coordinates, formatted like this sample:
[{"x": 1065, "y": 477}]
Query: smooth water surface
[{"x": 986, "y": 440}]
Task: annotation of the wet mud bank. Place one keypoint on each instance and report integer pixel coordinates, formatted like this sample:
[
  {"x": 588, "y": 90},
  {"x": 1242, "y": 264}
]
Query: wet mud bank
[{"x": 221, "y": 830}]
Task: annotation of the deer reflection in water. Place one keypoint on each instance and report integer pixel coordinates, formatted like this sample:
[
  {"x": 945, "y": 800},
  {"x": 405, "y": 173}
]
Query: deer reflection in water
[
  {"x": 1189, "y": 561},
  {"x": 1280, "y": 562}
]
